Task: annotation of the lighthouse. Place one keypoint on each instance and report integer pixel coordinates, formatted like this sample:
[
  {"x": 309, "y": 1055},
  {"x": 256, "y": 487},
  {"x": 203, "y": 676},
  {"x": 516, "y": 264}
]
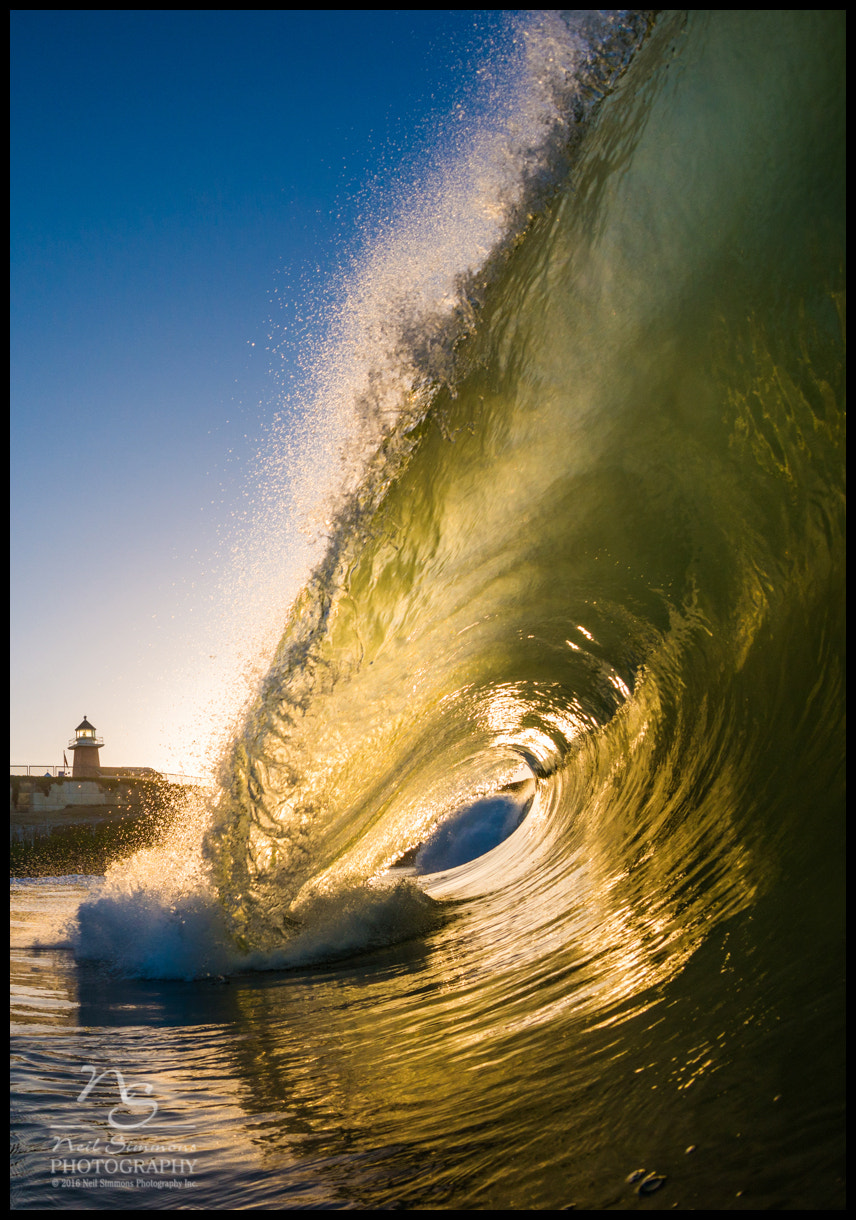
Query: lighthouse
[{"x": 86, "y": 746}]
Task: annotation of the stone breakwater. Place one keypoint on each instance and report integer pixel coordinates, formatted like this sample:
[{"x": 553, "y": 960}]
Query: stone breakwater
[
  {"x": 61, "y": 825},
  {"x": 40, "y": 805}
]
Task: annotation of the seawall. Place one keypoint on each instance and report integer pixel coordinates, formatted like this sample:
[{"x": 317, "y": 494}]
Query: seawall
[{"x": 63, "y": 825}]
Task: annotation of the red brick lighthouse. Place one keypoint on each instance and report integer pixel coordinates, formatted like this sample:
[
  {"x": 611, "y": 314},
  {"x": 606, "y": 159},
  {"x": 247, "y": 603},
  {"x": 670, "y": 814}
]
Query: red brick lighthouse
[{"x": 86, "y": 746}]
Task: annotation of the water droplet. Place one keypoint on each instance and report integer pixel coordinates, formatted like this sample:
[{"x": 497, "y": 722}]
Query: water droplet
[{"x": 651, "y": 1183}]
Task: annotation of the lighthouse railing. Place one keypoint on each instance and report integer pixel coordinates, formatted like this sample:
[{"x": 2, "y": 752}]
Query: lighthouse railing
[{"x": 38, "y": 769}]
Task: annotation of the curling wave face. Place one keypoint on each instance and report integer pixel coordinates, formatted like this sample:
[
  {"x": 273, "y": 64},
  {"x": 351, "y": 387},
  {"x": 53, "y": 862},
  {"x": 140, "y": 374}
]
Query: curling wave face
[
  {"x": 563, "y": 700},
  {"x": 567, "y": 559}
]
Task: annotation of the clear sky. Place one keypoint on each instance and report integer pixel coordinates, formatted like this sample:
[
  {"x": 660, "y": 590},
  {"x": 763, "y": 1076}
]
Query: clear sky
[{"x": 184, "y": 185}]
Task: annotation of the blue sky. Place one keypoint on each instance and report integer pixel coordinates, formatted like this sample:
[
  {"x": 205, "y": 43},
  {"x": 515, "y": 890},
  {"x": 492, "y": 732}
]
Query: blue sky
[{"x": 184, "y": 185}]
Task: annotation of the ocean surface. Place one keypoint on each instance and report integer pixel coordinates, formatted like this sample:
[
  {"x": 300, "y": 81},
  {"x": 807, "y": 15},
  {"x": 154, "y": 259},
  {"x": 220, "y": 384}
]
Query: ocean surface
[{"x": 524, "y": 884}]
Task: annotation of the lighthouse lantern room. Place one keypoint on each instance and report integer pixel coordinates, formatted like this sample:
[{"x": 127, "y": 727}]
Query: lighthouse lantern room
[{"x": 86, "y": 746}]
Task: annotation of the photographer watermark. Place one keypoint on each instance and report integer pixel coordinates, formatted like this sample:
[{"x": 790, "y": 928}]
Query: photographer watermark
[{"x": 134, "y": 1151}]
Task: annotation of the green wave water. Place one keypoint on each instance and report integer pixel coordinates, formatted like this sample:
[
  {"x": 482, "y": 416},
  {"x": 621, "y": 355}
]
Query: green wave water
[
  {"x": 586, "y": 558},
  {"x": 556, "y": 728}
]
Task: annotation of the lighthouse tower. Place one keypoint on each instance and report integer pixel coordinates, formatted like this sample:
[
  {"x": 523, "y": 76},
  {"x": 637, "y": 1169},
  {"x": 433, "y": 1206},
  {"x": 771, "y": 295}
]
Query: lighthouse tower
[{"x": 86, "y": 746}]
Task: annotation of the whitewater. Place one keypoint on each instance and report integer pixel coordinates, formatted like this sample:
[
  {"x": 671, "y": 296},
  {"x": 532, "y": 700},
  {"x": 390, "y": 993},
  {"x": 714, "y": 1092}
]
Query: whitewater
[{"x": 522, "y": 884}]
